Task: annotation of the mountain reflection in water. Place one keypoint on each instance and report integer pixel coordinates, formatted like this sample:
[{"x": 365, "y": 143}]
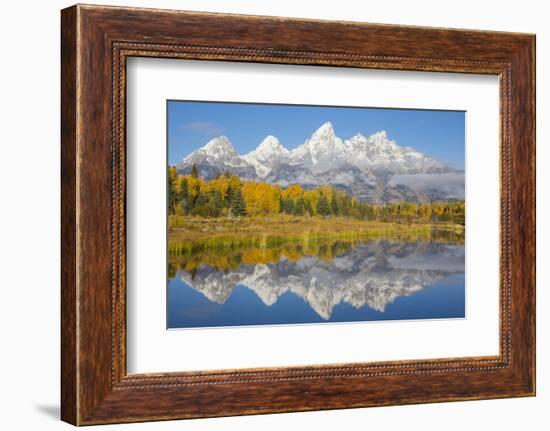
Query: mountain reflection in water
[{"x": 374, "y": 280}]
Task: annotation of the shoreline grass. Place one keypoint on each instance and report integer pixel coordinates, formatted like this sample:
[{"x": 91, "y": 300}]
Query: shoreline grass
[{"x": 193, "y": 234}]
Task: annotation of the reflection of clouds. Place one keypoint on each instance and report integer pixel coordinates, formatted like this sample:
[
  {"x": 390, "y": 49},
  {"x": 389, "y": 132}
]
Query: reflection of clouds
[
  {"x": 342, "y": 263},
  {"x": 447, "y": 258},
  {"x": 449, "y": 183},
  {"x": 372, "y": 274}
]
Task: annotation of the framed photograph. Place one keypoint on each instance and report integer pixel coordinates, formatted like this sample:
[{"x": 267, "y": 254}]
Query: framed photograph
[
  {"x": 331, "y": 230},
  {"x": 264, "y": 214}
]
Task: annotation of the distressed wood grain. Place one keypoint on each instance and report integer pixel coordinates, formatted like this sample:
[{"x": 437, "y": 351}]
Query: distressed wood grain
[{"x": 95, "y": 43}]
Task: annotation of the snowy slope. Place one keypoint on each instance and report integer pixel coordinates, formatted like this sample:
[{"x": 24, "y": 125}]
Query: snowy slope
[{"x": 373, "y": 168}]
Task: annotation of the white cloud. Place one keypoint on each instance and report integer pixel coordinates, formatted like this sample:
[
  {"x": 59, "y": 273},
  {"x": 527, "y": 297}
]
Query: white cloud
[
  {"x": 451, "y": 183},
  {"x": 205, "y": 127}
]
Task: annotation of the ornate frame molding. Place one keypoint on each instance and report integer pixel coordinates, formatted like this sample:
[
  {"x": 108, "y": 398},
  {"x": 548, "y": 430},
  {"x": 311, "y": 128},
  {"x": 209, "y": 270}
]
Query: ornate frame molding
[{"x": 96, "y": 41}]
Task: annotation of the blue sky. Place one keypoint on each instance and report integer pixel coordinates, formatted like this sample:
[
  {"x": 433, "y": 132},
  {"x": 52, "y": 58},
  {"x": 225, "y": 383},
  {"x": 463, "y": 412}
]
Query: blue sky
[{"x": 439, "y": 134}]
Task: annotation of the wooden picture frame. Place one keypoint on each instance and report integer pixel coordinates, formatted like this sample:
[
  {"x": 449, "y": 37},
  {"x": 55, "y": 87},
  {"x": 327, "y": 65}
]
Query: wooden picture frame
[{"x": 95, "y": 43}]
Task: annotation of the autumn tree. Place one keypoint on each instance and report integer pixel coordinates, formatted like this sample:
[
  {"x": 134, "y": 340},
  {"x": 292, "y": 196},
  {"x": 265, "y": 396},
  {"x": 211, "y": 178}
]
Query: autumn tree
[
  {"x": 183, "y": 189},
  {"x": 293, "y": 192},
  {"x": 227, "y": 194},
  {"x": 311, "y": 200},
  {"x": 261, "y": 198}
]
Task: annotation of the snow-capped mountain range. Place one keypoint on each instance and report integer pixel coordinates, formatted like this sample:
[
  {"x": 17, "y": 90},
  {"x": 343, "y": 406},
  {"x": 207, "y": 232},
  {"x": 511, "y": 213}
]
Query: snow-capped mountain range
[
  {"x": 374, "y": 274},
  {"x": 373, "y": 168}
]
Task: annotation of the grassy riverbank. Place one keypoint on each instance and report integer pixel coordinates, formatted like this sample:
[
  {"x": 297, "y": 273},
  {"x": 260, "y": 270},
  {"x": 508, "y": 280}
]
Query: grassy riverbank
[{"x": 192, "y": 234}]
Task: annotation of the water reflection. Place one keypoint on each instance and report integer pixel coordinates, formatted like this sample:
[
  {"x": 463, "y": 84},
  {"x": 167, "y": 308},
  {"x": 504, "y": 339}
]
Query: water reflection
[{"x": 365, "y": 278}]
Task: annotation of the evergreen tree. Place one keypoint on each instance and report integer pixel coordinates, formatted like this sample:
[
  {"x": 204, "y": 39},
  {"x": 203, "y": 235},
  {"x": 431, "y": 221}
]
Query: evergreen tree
[
  {"x": 172, "y": 195},
  {"x": 237, "y": 206},
  {"x": 308, "y": 207},
  {"x": 200, "y": 206},
  {"x": 287, "y": 205},
  {"x": 184, "y": 189},
  {"x": 183, "y": 195},
  {"x": 334, "y": 206},
  {"x": 346, "y": 206},
  {"x": 290, "y": 206},
  {"x": 299, "y": 208},
  {"x": 226, "y": 199},
  {"x": 202, "y": 199},
  {"x": 194, "y": 171},
  {"x": 189, "y": 194},
  {"x": 323, "y": 207},
  {"x": 282, "y": 204},
  {"x": 216, "y": 203}
]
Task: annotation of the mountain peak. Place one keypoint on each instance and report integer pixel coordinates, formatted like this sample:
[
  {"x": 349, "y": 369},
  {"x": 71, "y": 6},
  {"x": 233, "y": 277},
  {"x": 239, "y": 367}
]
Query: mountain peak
[
  {"x": 355, "y": 164},
  {"x": 218, "y": 142},
  {"x": 217, "y": 156},
  {"x": 358, "y": 137},
  {"x": 323, "y": 150},
  {"x": 271, "y": 144},
  {"x": 269, "y": 151},
  {"x": 380, "y": 137},
  {"x": 326, "y": 129},
  {"x": 219, "y": 148}
]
